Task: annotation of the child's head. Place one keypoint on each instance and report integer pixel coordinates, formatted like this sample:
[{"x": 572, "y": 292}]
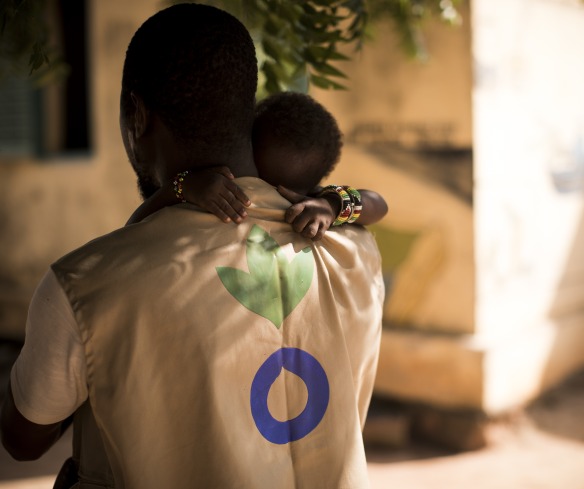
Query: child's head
[{"x": 296, "y": 141}]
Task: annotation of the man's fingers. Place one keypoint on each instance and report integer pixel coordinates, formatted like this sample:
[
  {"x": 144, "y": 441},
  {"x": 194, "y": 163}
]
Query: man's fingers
[{"x": 290, "y": 195}]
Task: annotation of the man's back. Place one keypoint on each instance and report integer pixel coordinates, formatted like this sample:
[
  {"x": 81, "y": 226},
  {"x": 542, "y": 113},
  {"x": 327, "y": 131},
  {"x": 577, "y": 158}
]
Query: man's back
[
  {"x": 229, "y": 356},
  {"x": 183, "y": 325}
]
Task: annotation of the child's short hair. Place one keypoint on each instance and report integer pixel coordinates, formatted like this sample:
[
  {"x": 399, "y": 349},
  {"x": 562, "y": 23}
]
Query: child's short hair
[{"x": 303, "y": 128}]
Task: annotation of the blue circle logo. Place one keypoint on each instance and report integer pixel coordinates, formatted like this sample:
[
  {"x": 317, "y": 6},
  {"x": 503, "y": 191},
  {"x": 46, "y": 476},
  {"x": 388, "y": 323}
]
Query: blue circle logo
[{"x": 314, "y": 377}]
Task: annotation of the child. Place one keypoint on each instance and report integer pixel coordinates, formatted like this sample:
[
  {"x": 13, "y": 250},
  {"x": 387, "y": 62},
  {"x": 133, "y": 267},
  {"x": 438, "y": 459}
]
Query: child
[{"x": 296, "y": 143}]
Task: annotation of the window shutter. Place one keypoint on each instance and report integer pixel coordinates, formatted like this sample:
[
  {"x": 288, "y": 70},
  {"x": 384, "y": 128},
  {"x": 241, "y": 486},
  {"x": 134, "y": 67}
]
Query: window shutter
[{"x": 17, "y": 121}]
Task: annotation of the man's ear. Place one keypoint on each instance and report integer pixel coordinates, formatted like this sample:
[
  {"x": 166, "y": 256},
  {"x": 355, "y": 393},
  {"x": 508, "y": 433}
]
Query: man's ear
[{"x": 141, "y": 116}]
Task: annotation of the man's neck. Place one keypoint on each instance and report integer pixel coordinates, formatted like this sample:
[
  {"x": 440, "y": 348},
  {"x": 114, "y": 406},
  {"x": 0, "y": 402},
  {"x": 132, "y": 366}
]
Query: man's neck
[
  {"x": 240, "y": 163},
  {"x": 170, "y": 159}
]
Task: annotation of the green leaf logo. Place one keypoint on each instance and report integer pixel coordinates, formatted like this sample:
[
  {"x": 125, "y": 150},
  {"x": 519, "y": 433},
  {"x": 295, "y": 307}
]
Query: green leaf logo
[{"x": 274, "y": 286}]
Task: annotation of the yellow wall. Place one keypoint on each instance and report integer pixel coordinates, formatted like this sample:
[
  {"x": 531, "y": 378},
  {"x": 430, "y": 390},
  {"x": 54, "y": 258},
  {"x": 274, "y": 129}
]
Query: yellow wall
[
  {"x": 52, "y": 206},
  {"x": 408, "y": 134}
]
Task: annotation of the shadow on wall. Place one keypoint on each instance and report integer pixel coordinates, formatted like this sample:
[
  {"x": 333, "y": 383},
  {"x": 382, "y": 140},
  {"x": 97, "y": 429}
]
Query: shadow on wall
[
  {"x": 415, "y": 251},
  {"x": 559, "y": 411},
  {"x": 411, "y": 259}
]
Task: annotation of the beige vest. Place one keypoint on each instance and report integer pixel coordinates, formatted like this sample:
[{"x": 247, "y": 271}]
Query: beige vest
[{"x": 225, "y": 356}]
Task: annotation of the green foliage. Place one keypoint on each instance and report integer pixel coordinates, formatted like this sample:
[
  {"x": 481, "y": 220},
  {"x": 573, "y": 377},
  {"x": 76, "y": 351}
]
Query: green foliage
[
  {"x": 409, "y": 17},
  {"x": 299, "y": 42},
  {"x": 274, "y": 286},
  {"x": 24, "y": 42}
]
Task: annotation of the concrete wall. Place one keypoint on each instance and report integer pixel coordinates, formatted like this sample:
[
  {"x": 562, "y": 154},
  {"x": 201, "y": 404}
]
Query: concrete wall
[
  {"x": 51, "y": 206},
  {"x": 408, "y": 135},
  {"x": 529, "y": 180},
  {"x": 485, "y": 299},
  {"x": 408, "y": 127}
]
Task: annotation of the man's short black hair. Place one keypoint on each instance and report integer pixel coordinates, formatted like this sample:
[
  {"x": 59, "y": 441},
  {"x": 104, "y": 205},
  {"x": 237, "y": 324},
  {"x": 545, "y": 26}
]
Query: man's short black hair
[
  {"x": 195, "y": 67},
  {"x": 297, "y": 122}
]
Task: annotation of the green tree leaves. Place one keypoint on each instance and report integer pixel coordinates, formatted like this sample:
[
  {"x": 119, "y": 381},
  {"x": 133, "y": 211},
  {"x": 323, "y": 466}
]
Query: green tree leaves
[
  {"x": 299, "y": 42},
  {"x": 274, "y": 286},
  {"x": 24, "y": 45}
]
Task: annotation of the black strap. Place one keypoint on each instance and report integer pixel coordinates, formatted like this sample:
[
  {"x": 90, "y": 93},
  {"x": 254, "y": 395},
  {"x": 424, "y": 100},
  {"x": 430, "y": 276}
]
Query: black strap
[{"x": 67, "y": 476}]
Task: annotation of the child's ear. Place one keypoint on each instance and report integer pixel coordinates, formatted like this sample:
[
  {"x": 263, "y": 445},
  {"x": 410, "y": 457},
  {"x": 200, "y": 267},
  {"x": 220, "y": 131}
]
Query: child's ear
[{"x": 141, "y": 116}]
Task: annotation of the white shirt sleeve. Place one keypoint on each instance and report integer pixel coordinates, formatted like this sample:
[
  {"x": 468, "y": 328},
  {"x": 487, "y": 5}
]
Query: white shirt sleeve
[{"x": 48, "y": 378}]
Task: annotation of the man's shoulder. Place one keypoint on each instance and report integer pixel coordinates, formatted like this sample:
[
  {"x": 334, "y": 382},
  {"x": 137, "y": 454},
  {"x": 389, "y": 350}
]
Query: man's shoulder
[
  {"x": 353, "y": 236},
  {"x": 353, "y": 248},
  {"x": 155, "y": 238},
  {"x": 103, "y": 242},
  {"x": 103, "y": 251}
]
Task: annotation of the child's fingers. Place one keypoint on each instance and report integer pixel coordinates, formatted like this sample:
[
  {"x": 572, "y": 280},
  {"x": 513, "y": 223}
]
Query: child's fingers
[
  {"x": 214, "y": 209},
  {"x": 225, "y": 171},
  {"x": 229, "y": 202},
  {"x": 238, "y": 193},
  {"x": 233, "y": 208},
  {"x": 293, "y": 212},
  {"x": 301, "y": 223},
  {"x": 310, "y": 230},
  {"x": 320, "y": 233}
]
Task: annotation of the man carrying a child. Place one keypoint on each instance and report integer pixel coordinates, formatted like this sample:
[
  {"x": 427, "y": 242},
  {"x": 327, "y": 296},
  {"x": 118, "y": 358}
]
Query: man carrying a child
[{"x": 192, "y": 352}]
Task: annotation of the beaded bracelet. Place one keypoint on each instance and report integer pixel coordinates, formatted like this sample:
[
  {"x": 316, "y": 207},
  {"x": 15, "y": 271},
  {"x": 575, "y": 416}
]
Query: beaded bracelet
[
  {"x": 178, "y": 185},
  {"x": 346, "y": 203},
  {"x": 357, "y": 203}
]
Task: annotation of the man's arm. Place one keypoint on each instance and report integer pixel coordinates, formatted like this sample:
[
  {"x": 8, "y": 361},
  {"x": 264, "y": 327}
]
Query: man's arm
[
  {"x": 48, "y": 380},
  {"x": 23, "y": 439}
]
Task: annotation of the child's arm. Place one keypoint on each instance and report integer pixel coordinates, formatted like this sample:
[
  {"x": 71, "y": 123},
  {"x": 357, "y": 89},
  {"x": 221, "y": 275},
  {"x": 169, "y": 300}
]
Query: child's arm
[
  {"x": 313, "y": 216},
  {"x": 374, "y": 207},
  {"x": 211, "y": 189}
]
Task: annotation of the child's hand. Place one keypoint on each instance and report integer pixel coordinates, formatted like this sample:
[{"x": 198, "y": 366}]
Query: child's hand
[
  {"x": 213, "y": 189},
  {"x": 310, "y": 216}
]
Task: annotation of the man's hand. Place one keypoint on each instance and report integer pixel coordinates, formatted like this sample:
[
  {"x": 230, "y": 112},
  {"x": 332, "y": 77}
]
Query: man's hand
[
  {"x": 23, "y": 439},
  {"x": 213, "y": 189},
  {"x": 310, "y": 216}
]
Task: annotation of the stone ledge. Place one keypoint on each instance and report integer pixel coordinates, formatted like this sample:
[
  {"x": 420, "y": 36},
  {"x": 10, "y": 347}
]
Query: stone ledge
[
  {"x": 469, "y": 372},
  {"x": 393, "y": 424}
]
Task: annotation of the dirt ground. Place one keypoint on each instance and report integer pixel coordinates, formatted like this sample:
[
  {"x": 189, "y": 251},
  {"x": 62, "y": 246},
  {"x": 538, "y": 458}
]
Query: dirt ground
[{"x": 540, "y": 448}]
